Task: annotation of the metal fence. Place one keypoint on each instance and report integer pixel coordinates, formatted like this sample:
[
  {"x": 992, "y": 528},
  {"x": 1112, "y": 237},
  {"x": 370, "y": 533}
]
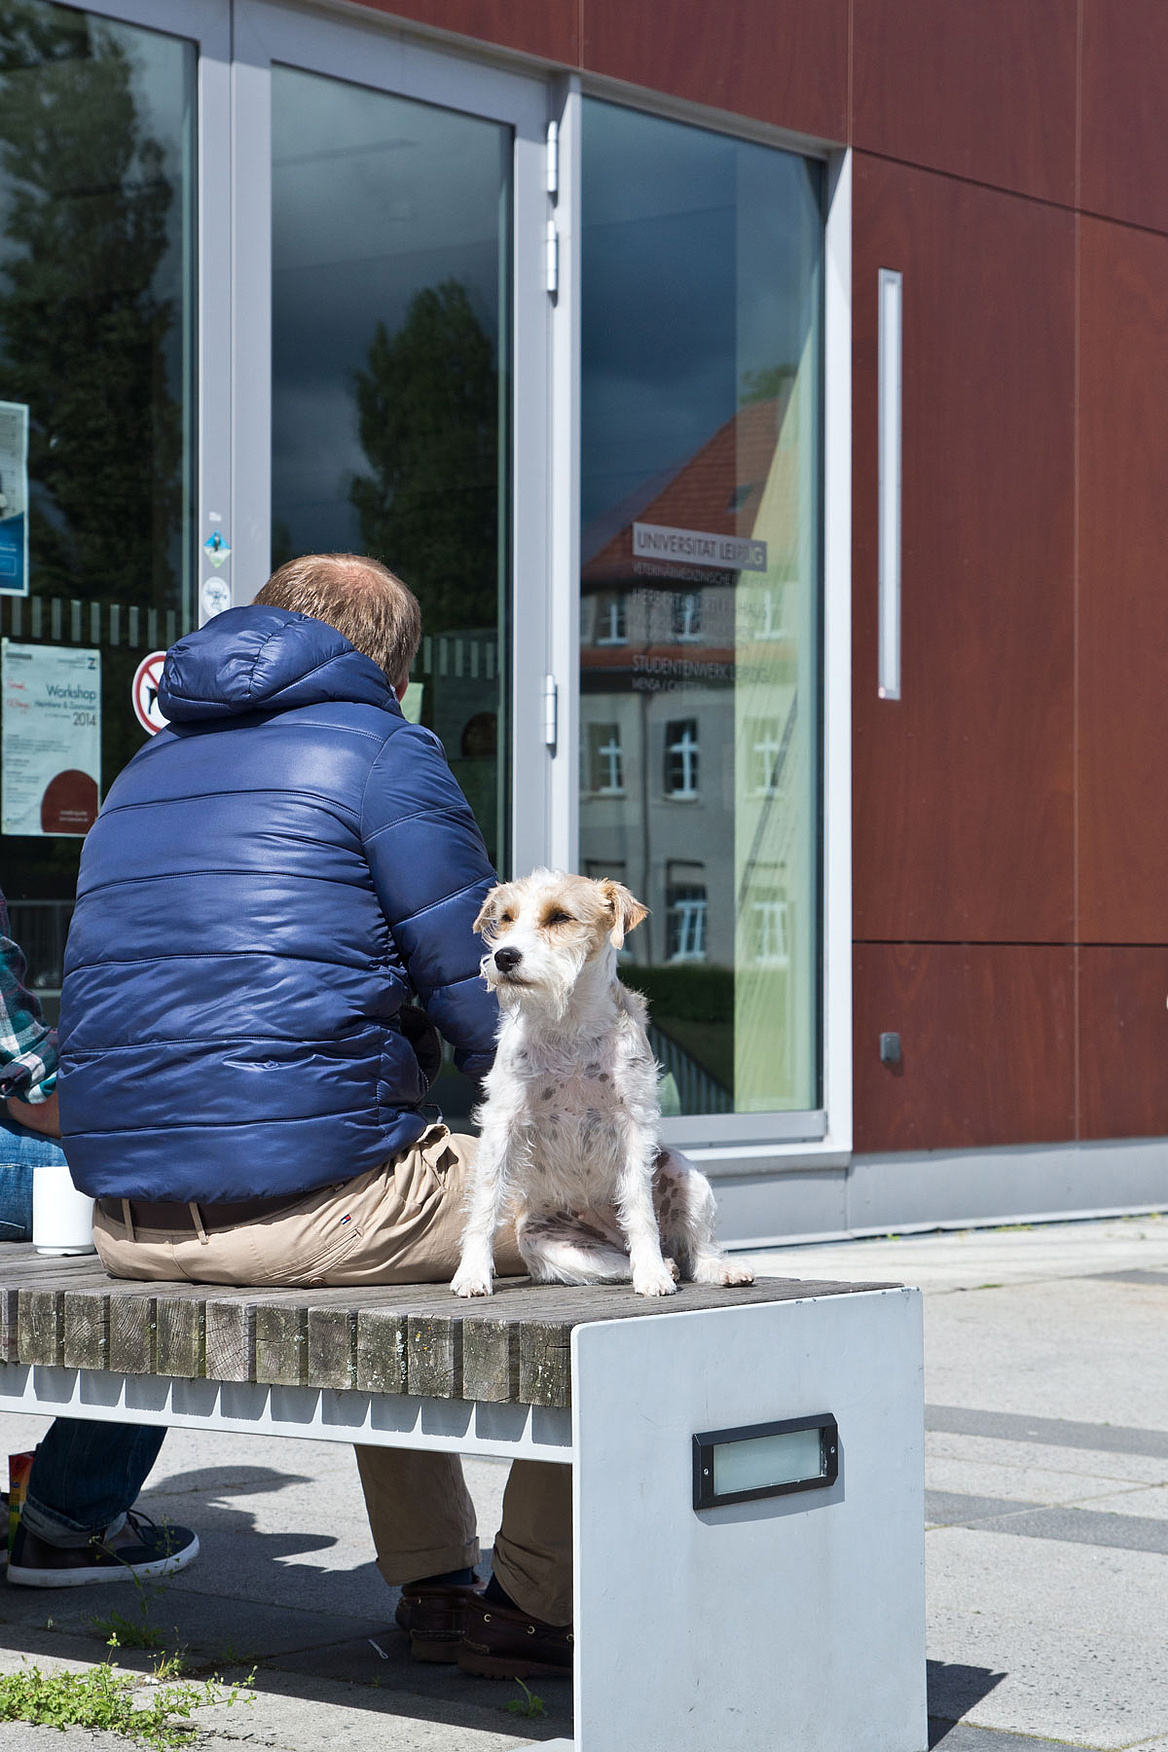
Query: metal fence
[{"x": 698, "y": 1092}]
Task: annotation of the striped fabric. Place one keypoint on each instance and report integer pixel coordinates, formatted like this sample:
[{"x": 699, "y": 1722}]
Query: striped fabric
[{"x": 28, "y": 1049}]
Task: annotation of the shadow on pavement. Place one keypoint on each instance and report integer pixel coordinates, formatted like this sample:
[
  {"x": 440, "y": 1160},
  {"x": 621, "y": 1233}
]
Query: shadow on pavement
[
  {"x": 382, "y": 1680},
  {"x": 953, "y": 1691}
]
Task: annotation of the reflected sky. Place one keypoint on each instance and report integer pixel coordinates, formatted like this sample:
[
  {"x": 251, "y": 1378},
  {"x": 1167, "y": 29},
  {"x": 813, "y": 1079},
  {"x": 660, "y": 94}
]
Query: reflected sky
[
  {"x": 373, "y": 198},
  {"x": 695, "y": 269}
]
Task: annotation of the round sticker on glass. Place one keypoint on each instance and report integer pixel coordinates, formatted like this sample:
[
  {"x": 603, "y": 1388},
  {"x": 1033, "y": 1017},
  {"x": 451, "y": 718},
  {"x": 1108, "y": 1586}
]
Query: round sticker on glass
[{"x": 145, "y": 693}]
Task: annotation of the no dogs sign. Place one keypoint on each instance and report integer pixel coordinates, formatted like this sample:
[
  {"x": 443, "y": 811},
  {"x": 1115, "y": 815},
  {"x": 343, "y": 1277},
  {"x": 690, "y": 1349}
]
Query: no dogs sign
[{"x": 144, "y": 693}]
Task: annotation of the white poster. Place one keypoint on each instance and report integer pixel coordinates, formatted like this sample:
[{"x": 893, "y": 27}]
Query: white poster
[
  {"x": 50, "y": 775},
  {"x": 13, "y": 499}
]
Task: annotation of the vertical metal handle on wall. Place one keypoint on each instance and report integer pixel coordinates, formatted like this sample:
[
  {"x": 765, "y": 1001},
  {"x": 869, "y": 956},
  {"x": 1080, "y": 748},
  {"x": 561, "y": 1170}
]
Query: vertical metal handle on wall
[{"x": 889, "y": 368}]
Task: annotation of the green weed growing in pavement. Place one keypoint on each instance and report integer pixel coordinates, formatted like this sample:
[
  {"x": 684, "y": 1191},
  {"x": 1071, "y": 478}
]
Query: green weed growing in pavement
[
  {"x": 120, "y": 1632},
  {"x": 170, "y": 1666},
  {"x": 527, "y": 1705},
  {"x": 105, "y": 1698},
  {"x": 128, "y": 1633}
]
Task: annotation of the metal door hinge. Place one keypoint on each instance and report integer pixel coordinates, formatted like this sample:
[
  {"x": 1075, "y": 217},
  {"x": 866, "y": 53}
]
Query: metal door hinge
[
  {"x": 553, "y": 158},
  {"x": 552, "y": 258},
  {"x": 551, "y": 703}
]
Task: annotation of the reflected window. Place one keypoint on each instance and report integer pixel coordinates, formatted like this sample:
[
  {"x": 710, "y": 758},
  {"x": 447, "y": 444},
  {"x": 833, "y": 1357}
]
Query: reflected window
[
  {"x": 765, "y": 743},
  {"x": 687, "y": 614},
  {"x": 682, "y": 755},
  {"x": 612, "y": 627},
  {"x": 770, "y": 917},
  {"x": 606, "y": 773},
  {"x": 685, "y": 908}
]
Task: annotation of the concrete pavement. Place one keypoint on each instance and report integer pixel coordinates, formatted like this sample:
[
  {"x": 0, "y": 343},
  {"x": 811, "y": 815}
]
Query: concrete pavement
[{"x": 1047, "y": 1547}]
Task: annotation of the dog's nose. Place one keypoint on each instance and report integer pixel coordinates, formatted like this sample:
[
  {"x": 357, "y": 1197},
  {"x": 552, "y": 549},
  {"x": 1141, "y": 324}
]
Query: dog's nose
[{"x": 506, "y": 959}]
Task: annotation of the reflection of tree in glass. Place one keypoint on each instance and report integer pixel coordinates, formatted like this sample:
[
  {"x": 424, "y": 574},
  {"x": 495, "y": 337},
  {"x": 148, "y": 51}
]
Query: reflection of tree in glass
[
  {"x": 84, "y": 204},
  {"x": 428, "y": 419}
]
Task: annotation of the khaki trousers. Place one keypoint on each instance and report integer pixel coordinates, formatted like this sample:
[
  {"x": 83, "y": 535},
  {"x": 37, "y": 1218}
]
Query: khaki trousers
[{"x": 400, "y": 1223}]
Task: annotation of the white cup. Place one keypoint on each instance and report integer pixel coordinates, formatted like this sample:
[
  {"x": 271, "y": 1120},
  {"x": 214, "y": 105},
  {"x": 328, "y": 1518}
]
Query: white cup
[{"x": 62, "y": 1217}]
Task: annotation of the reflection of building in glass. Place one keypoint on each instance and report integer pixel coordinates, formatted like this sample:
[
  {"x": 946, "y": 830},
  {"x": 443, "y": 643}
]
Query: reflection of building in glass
[{"x": 691, "y": 748}]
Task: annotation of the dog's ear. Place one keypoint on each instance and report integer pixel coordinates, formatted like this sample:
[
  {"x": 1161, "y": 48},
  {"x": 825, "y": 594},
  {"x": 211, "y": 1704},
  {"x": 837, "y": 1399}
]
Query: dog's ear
[
  {"x": 627, "y": 911},
  {"x": 489, "y": 911}
]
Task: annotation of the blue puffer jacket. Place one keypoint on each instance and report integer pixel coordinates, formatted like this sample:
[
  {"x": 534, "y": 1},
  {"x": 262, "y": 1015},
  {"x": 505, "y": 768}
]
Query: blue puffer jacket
[{"x": 266, "y": 883}]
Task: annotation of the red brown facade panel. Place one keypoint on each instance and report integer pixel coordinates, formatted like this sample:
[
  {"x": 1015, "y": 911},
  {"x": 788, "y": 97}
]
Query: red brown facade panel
[
  {"x": 984, "y": 90},
  {"x": 1123, "y": 603},
  {"x": 1123, "y": 1043},
  {"x": 547, "y": 28},
  {"x": 987, "y": 1041},
  {"x": 962, "y": 788},
  {"x": 1125, "y": 111},
  {"x": 781, "y": 61}
]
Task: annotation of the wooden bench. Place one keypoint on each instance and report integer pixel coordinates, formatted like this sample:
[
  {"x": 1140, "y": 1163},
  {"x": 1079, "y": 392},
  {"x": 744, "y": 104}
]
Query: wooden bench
[{"x": 793, "y": 1621}]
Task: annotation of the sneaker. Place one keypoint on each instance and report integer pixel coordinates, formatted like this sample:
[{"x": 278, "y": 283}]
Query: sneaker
[
  {"x": 139, "y": 1551},
  {"x": 433, "y": 1615},
  {"x": 500, "y": 1642}
]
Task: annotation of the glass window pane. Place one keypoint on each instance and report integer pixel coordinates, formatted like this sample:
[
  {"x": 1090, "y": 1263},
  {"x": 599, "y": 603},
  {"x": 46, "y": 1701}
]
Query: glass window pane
[
  {"x": 391, "y": 224},
  {"x": 97, "y": 140},
  {"x": 701, "y": 592}
]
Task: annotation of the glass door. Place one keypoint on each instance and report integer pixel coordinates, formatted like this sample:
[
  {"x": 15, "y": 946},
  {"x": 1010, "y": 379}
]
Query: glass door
[
  {"x": 408, "y": 331},
  {"x": 99, "y": 119}
]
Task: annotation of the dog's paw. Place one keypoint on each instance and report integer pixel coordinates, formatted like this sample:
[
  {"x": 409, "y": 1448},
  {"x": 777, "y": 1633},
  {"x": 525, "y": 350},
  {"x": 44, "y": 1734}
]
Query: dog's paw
[
  {"x": 470, "y": 1283},
  {"x": 723, "y": 1273},
  {"x": 657, "y": 1282}
]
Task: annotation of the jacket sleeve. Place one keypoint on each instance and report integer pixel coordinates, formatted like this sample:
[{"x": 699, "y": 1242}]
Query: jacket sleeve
[{"x": 431, "y": 872}]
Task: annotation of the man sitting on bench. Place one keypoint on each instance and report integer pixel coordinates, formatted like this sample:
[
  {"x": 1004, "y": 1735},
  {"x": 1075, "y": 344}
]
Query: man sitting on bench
[
  {"x": 269, "y": 882},
  {"x": 78, "y": 1523}
]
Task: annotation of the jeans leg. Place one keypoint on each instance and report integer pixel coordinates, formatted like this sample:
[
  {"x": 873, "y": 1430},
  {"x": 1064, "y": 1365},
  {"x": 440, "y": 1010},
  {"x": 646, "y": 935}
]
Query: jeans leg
[
  {"x": 85, "y": 1476},
  {"x": 21, "y": 1151}
]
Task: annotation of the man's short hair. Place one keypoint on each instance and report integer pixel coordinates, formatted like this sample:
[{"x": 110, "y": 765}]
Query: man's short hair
[{"x": 361, "y": 598}]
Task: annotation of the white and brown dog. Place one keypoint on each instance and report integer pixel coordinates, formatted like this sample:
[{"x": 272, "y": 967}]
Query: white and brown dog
[{"x": 569, "y": 1146}]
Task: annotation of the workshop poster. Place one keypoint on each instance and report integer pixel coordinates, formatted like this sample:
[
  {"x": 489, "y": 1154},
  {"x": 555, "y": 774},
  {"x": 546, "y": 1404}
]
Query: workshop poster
[
  {"x": 50, "y": 738},
  {"x": 13, "y": 499}
]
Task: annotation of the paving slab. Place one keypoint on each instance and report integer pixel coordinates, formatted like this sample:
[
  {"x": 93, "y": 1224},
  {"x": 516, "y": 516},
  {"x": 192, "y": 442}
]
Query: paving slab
[
  {"x": 1026, "y": 1483},
  {"x": 999, "y": 1454},
  {"x": 1077, "y": 1633}
]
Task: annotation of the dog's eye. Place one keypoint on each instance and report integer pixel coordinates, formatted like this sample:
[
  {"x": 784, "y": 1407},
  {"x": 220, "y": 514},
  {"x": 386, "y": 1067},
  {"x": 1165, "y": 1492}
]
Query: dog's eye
[
  {"x": 506, "y": 919},
  {"x": 558, "y": 918}
]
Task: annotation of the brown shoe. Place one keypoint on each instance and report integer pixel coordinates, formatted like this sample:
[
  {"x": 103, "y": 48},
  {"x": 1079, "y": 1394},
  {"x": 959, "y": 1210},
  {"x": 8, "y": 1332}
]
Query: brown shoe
[
  {"x": 503, "y": 1643},
  {"x": 434, "y": 1618}
]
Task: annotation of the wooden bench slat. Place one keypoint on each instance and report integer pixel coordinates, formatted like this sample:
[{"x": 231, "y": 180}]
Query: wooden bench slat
[
  {"x": 381, "y": 1351},
  {"x": 86, "y": 1335},
  {"x": 229, "y": 1328},
  {"x": 490, "y": 1360},
  {"x": 434, "y": 1356},
  {"x": 179, "y": 1338},
  {"x": 131, "y": 1334},
  {"x": 281, "y": 1344},
  {"x": 332, "y": 1347},
  {"x": 545, "y": 1367},
  {"x": 40, "y": 1328}
]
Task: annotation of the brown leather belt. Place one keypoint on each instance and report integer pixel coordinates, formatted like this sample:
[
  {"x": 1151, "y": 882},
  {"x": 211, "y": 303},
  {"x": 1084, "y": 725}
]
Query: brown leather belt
[{"x": 146, "y": 1215}]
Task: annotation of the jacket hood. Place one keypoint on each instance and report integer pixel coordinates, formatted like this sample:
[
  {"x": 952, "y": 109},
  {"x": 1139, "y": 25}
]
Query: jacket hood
[{"x": 260, "y": 659}]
